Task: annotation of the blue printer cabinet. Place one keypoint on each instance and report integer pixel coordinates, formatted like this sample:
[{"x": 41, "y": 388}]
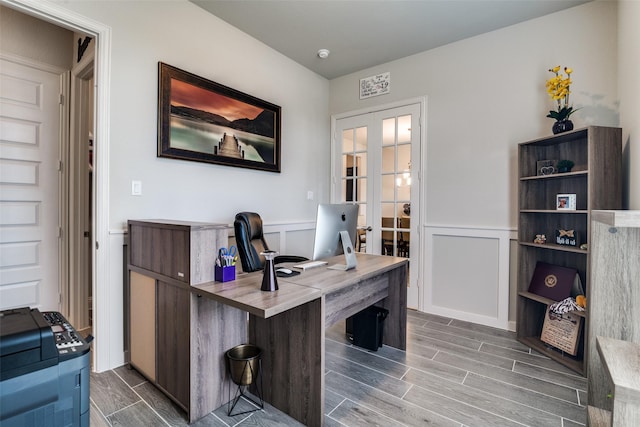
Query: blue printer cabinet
[{"x": 38, "y": 389}]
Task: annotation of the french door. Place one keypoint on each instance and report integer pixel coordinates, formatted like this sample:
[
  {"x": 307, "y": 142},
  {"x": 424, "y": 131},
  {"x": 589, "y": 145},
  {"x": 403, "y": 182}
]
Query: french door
[{"x": 376, "y": 158}]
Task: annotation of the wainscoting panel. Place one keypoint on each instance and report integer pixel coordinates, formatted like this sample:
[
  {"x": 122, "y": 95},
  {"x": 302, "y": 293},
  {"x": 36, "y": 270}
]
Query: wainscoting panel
[{"x": 467, "y": 274}]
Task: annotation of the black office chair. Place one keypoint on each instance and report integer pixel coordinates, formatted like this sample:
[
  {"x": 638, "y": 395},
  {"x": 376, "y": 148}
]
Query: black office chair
[{"x": 250, "y": 242}]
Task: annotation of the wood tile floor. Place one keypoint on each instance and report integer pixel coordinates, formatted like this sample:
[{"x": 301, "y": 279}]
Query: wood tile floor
[{"x": 453, "y": 374}]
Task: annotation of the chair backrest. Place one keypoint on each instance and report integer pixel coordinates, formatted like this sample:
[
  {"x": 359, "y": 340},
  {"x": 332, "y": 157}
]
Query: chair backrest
[{"x": 250, "y": 241}]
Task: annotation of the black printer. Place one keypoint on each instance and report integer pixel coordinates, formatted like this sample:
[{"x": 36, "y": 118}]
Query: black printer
[
  {"x": 44, "y": 370},
  {"x": 26, "y": 342}
]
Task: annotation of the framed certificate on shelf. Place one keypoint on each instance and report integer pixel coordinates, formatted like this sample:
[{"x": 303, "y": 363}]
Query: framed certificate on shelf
[{"x": 562, "y": 331}]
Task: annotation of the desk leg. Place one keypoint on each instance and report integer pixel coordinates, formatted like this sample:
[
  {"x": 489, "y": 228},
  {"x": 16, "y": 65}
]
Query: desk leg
[
  {"x": 292, "y": 346},
  {"x": 395, "y": 326},
  {"x": 215, "y": 328}
]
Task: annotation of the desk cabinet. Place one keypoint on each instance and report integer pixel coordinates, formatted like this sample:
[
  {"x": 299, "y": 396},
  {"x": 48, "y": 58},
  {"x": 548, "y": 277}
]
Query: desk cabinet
[{"x": 170, "y": 322}]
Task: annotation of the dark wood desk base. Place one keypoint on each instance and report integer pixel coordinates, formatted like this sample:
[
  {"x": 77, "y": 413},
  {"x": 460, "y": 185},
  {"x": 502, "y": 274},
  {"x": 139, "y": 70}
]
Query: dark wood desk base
[{"x": 293, "y": 342}]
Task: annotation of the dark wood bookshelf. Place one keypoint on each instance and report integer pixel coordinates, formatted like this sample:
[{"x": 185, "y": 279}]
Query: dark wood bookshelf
[{"x": 596, "y": 181}]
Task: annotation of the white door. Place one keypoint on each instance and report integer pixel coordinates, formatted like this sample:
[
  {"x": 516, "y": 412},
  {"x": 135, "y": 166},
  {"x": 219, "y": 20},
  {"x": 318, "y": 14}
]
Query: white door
[
  {"x": 29, "y": 186},
  {"x": 376, "y": 165}
]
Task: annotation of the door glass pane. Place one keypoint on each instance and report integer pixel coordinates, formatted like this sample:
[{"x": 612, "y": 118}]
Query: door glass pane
[
  {"x": 388, "y": 188},
  {"x": 347, "y": 140},
  {"x": 361, "y": 243},
  {"x": 404, "y": 129},
  {"x": 350, "y": 190},
  {"x": 404, "y": 191},
  {"x": 389, "y": 131},
  {"x": 361, "y": 164},
  {"x": 346, "y": 159},
  {"x": 343, "y": 190},
  {"x": 361, "y": 189},
  {"x": 388, "y": 159},
  {"x": 361, "y": 139},
  {"x": 403, "y": 236},
  {"x": 404, "y": 158},
  {"x": 387, "y": 210}
]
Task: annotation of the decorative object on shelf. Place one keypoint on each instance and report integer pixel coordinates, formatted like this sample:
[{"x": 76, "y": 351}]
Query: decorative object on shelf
[
  {"x": 567, "y": 237},
  {"x": 562, "y": 126},
  {"x": 581, "y": 300},
  {"x": 562, "y": 331},
  {"x": 584, "y": 246},
  {"x": 552, "y": 281},
  {"x": 558, "y": 89},
  {"x": 565, "y": 166},
  {"x": 566, "y": 305},
  {"x": 566, "y": 202},
  {"x": 540, "y": 239},
  {"x": 546, "y": 167}
]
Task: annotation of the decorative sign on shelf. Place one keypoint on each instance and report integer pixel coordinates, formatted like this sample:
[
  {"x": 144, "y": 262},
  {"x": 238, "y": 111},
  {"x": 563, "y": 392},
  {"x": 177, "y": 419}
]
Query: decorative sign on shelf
[
  {"x": 546, "y": 167},
  {"x": 566, "y": 202},
  {"x": 567, "y": 237},
  {"x": 380, "y": 84},
  {"x": 562, "y": 331}
]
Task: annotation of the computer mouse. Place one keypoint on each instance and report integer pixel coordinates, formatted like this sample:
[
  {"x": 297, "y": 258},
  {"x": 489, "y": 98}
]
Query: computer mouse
[{"x": 284, "y": 270}]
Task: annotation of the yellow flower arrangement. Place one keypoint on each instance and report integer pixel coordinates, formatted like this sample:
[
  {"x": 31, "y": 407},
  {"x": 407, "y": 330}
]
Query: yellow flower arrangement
[{"x": 558, "y": 89}]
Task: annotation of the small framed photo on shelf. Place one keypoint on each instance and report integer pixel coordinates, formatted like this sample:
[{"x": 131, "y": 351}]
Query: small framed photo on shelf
[{"x": 566, "y": 202}]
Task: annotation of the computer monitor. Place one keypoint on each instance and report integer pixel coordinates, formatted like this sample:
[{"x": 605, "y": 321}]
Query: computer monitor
[{"x": 331, "y": 221}]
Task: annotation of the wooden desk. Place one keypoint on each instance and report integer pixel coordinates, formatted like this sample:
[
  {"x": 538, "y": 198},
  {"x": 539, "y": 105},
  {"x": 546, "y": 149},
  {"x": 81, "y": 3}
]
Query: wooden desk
[
  {"x": 289, "y": 324},
  {"x": 182, "y": 322}
]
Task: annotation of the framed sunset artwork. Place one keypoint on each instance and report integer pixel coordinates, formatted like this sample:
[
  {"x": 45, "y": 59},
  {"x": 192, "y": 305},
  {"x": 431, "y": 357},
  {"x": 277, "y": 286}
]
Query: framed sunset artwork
[{"x": 205, "y": 121}]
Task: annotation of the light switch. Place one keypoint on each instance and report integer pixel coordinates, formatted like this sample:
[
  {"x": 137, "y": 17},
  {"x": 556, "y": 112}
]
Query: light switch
[
  {"x": 309, "y": 195},
  {"x": 136, "y": 188}
]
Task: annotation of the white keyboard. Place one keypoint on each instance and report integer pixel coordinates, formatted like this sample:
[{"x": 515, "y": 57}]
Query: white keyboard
[{"x": 310, "y": 264}]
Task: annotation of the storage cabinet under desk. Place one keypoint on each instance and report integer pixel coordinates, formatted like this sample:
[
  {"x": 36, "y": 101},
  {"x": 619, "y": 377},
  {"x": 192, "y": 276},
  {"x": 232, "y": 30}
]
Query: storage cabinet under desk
[{"x": 175, "y": 342}]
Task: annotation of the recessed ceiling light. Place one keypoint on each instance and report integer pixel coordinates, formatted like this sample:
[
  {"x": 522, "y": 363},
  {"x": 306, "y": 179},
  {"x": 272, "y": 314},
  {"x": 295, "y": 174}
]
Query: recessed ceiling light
[{"x": 323, "y": 53}]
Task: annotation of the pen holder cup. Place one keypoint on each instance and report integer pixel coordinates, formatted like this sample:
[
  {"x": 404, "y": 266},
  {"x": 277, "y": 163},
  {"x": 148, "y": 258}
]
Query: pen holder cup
[{"x": 225, "y": 274}]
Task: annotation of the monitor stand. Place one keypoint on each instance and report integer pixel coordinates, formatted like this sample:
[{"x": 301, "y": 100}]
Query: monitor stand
[{"x": 349, "y": 254}]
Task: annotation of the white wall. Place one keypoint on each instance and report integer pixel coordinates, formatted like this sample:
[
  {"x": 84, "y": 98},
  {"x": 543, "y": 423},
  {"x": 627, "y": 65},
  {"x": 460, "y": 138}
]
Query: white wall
[
  {"x": 32, "y": 38},
  {"x": 486, "y": 94},
  {"x": 629, "y": 88},
  {"x": 183, "y": 35}
]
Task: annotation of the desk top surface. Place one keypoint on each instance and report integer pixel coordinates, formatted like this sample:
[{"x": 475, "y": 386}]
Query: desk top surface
[{"x": 244, "y": 292}]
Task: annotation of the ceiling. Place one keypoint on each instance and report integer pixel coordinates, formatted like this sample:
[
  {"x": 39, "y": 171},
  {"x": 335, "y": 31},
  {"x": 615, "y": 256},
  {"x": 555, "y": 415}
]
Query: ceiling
[{"x": 361, "y": 34}]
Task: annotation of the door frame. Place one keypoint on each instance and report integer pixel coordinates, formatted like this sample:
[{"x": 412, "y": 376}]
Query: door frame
[
  {"x": 104, "y": 321},
  {"x": 421, "y": 172},
  {"x": 80, "y": 194}
]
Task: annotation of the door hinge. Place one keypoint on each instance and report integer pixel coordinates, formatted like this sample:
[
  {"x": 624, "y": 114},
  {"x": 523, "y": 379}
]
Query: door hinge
[
  {"x": 61, "y": 99},
  {"x": 97, "y": 246},
  {"x": 60, "y": 231},
  {"x": 59, "y": 165}
]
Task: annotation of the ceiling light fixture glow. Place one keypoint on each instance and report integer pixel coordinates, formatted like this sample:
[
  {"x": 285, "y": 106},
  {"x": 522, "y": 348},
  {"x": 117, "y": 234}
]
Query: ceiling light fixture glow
[{"x": 323, "y": 53}]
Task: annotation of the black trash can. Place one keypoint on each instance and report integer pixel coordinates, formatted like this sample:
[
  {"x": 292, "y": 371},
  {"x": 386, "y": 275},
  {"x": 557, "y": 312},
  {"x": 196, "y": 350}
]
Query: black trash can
[{"x": 368, "y": 326}]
